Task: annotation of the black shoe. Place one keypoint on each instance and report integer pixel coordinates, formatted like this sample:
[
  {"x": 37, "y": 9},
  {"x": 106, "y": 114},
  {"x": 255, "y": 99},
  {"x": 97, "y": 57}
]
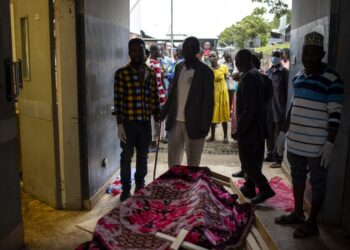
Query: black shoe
[
  {"x": 306, "y": 230},
  {"x": 248, "y": 191},
  {"x": 263, "y": 196},
  {"x": 268, "y": 158},
  {"x": 124, "y": 196},
  {"x": 290, "y": 219},
  {"x": 138, "y": 189},
  {"x": 239, "y": 174}
]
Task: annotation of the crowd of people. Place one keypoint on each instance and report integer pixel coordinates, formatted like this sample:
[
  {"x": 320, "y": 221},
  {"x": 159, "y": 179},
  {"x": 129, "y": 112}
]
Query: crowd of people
[{"x": 181, "y": 100}]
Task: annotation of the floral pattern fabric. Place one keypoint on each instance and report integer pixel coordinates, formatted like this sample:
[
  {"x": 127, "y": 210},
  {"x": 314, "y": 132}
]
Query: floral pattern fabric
[{"x": 183, "y": 197}]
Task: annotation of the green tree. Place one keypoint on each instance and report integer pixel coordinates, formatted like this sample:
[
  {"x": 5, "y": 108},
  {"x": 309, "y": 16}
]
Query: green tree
[
  {"x": 250, "y": 27},
  {"x": 276, "y": 19},
  {"x": 277, "y": 7}
]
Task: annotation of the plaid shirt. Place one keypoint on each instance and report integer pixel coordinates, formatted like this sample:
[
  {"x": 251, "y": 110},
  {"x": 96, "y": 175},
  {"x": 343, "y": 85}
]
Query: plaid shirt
[{"x": 134, "y": 99}]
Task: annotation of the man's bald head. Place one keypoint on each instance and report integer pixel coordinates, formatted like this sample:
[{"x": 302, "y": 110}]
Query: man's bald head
[
  {"x": 190, "y": 47},
  {"x": 243, "y": 60}
]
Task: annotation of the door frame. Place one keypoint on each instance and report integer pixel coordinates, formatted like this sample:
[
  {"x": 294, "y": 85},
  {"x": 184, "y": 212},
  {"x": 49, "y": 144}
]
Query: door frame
[
  {"x": 55, "y": 117},
  {"x": 67, "y": 99}
]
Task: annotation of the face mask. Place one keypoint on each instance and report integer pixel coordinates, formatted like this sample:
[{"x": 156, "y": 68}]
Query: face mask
[{"x": 275, "y": 60}]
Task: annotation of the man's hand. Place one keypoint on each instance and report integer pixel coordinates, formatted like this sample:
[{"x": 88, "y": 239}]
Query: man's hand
[
  {"x": 235, "y": 76},
  {"x": 157, "y": 118},
  {"x": 121, "y": 133},
  {"x": 280, "y": 141},
  {"x": 327, "y": 152}
]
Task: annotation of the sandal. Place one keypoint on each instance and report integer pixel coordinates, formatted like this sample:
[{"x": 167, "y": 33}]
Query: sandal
[
  {"x": 289, "y": 219},
  {"x": 306, "y": 230}
]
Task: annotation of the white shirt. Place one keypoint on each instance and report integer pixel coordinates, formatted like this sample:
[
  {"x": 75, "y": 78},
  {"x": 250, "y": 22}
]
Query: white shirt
[{"x": 183, "y": 88}]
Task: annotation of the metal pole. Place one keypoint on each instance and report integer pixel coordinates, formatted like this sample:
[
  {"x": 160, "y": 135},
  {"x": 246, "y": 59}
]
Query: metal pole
[
  {"x": 172, "y": 32},
  {"x": 156, "y": 158}
]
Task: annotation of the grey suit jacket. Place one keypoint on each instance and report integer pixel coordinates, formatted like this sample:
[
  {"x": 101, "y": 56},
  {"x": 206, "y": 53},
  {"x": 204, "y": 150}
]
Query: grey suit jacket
[{"x": 199, "y": 105}]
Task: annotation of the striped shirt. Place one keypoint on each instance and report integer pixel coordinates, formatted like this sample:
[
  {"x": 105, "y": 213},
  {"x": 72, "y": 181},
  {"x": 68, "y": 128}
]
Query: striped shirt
[
  {"x": 316, "y": 107},
  {"x": 135, "y": 99},
  {"x": 155, "y": 65}
]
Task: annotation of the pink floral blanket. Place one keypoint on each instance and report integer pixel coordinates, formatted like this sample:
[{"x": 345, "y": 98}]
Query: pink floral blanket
[{"x": 183, "y": 197}]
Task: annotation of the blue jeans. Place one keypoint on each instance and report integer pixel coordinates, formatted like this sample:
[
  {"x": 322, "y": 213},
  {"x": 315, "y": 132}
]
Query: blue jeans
[{"x": 139, "y": 136}]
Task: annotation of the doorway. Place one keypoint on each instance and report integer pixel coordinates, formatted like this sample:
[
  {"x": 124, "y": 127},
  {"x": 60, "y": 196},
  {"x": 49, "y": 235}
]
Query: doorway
[
  {"x": 32, "y": 28},
  {"x": 44, "y": 44}
]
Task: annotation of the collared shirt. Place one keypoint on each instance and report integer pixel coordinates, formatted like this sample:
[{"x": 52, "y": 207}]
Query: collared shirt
[
  {"x": 135, "y": 99},
  {"x": 316, "y": 107},
  {"x": 183, "y": 88},
  {"x": 155, "y": 65}
]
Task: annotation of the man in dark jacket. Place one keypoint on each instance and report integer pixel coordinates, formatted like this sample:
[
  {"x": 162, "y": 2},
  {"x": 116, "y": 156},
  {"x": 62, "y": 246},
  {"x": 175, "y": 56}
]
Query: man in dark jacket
[
  {"x": 251, "y": 127},
  {"x": 276, "y": 112},
  {"x": 189, "y": 107}
]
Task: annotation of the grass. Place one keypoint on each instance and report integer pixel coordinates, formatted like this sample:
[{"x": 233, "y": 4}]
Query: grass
[{"x": 268, "y": 49}]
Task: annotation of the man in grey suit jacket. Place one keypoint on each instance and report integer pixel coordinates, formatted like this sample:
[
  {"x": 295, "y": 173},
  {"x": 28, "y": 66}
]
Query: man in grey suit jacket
[{"x": 189, "y": 108}]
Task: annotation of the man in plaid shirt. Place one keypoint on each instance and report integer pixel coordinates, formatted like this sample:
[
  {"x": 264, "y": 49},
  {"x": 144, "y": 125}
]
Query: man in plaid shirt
[{"x": 136, "y": 100}]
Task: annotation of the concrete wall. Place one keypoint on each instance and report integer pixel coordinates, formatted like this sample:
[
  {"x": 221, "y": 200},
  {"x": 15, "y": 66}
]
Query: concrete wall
[
  {"x": 11, "y": 227},
  {"x": 308, "y": 11},
  {"x": 103, "y": 33},
  {"x": 311, "y": 15},
  {"x": 330, "y": 18},
  {"x": 338, "y": 200}
]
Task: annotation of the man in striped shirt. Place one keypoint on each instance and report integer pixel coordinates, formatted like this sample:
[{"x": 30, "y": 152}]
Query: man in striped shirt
[
  {"x": 312, "y": 126},
  {"x": 135, "y": 100}
]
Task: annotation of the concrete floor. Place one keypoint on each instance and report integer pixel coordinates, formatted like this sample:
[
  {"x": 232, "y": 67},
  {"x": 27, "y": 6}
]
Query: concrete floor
[{"x": 49, "y": 229}]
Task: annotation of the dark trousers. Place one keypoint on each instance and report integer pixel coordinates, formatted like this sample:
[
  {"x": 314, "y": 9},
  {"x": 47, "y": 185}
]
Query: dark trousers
[
  {"x": 252, "y": 157},
  {"x": 139, "y": 136},
  {"x": 230, "y": 95},
  {"x": 274, "y": 128}
]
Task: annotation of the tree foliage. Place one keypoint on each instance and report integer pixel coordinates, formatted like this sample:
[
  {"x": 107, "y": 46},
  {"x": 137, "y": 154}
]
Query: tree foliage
[
  {"x": 277, "y": 7},
  {"x": 250, "y": 27},
  {"x": 276, "y": 20}
]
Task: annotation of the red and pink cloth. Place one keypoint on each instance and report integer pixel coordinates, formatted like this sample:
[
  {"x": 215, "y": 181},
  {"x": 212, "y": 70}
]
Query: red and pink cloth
[
  {"x": 183, "y": 197},
  {"x": 283, "y": 199}
]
